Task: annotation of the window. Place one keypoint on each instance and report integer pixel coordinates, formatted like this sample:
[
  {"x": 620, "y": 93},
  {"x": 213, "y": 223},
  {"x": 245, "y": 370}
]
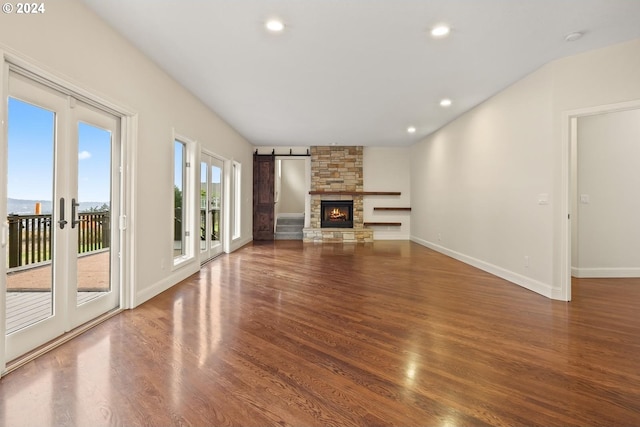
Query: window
[
  {"x": 182, "y": 197},
  {"x": 237, "y": 200}
]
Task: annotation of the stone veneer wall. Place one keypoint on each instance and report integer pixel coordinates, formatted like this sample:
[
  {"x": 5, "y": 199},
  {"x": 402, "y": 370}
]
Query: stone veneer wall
[{"x": 337, "y": 169}]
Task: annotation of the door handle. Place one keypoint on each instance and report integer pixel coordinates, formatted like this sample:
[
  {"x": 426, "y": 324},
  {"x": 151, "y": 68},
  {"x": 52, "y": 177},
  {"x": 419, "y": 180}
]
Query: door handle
[
  {"x": 62, "y": 221},
  {"x": 74, "y": 213}
]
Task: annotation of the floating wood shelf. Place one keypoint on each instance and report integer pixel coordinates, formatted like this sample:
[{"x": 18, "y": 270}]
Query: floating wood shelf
[
  {"x": 391, "y": 209},
  {"x": 394, "y": 224},
  {"x": 357, "y": 193}
]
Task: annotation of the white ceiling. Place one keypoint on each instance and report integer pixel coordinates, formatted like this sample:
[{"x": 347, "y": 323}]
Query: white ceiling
[{"x": 357, "y": 72}]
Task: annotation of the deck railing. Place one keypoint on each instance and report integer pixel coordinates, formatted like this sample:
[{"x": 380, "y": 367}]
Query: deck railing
[{"x": 30, "y": 236}]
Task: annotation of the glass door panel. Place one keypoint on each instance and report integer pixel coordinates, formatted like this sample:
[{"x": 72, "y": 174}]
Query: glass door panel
[
  {"x": 30, "y": 171},
  {"x": 94, "y": 230},
  {"x": 36, "y": 217},
  {"x": 92, "y": 212},
  {"x": 211, "y": 201},
  {"x": 215, "y": 203}
]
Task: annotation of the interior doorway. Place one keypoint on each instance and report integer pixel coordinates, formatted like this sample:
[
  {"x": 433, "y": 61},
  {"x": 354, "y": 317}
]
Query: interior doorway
[
  {"x": 290, "y": 185},
  {"x": 601, "y": 178},
  {"x": 606, "y": 235},
  {"x": 291, "y": 196}
]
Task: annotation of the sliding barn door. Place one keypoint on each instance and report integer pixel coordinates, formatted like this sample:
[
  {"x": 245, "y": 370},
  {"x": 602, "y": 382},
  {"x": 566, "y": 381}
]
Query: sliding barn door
[{"x": 263, "y": 201}]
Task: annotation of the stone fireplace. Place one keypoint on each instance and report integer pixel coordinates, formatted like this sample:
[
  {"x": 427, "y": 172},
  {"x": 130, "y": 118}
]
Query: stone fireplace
[{"x": 336, "y": 175}]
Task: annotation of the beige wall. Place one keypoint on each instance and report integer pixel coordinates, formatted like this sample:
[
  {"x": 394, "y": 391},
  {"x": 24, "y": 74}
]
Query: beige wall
[
  {"x": 387, "y": 169},
  {"x": 477, "y": 184},
  {"x": 70, "y": 42}
]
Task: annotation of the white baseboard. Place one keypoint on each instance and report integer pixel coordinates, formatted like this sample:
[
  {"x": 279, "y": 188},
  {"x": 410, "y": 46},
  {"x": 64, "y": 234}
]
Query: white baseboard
[
  {"x": 157, "y": 288},
  {"x": 526, "y": 282},
  {"x": 383, "y": 235},
  {"x": 583, "y": 273},
  {"x": 238, "y": 243}
]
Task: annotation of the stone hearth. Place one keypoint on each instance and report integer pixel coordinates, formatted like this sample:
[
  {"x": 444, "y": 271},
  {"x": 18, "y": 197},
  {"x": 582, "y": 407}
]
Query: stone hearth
[{"x": 335, "y": 170}]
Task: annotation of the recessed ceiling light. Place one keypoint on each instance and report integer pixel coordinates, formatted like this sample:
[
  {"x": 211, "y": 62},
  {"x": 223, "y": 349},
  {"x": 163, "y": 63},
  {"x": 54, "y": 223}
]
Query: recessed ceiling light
[
  {"x": 274, "y": 25},
  {"x": 411, "y": 129},
  {"x": 445, "y": 102},
  {"x": 440, "y": 30}
]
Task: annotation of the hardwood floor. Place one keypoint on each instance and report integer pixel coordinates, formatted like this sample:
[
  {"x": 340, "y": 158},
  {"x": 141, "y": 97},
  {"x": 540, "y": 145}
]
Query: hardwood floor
[{"x": 390, "y": 333}]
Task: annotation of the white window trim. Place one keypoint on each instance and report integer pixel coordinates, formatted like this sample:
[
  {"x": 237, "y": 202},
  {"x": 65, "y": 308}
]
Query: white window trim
[
  {"x": 188, "y": 199},
  {"x": 237, "y": 201}
]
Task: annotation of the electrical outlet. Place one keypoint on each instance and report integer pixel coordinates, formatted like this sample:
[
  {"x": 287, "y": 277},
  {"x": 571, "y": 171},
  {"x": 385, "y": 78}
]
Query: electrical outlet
[
  {"x": 526, "y": 261},
  {"x": 439, "y": 237}
]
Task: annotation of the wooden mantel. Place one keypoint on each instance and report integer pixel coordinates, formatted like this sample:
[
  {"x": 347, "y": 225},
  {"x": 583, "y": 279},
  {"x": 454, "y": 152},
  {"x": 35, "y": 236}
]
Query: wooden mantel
[{"x": 356, "y": 193}]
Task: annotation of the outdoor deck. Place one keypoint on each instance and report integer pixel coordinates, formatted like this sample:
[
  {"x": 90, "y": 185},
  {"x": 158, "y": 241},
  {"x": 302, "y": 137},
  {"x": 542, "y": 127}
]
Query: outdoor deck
[
  {"x": 93, "y": 275},
  {"x": 26, "y": 308},
  {"x": 29, "y": 289}
]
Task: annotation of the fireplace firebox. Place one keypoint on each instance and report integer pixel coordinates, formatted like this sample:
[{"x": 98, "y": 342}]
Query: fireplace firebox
[{"x": 336, "y": 213}]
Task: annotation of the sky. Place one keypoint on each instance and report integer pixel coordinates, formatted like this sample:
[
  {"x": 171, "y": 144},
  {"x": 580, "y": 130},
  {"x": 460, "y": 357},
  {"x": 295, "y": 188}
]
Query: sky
[
  {"x": 215, "y": 174},
  {"x": 177, "y": 168},
  {"x": 31, "y": 155}
]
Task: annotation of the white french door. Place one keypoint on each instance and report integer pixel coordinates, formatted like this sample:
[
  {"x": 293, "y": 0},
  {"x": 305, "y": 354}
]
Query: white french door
[
  {"x": 62, "y": 204},
  {"x": 211, "y": 206}
]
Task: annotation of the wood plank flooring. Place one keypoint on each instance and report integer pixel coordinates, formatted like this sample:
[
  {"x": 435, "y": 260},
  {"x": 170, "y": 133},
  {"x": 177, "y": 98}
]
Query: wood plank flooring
[{"x": 390, "y": 333}]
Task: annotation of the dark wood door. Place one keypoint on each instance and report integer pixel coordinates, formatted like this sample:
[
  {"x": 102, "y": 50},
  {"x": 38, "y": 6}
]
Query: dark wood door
[{"x": 263, "y": 187}]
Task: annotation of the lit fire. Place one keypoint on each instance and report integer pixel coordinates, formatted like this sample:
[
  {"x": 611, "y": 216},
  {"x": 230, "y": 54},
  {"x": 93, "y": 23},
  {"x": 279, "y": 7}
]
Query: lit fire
[{"x": 337, "y": 215}]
